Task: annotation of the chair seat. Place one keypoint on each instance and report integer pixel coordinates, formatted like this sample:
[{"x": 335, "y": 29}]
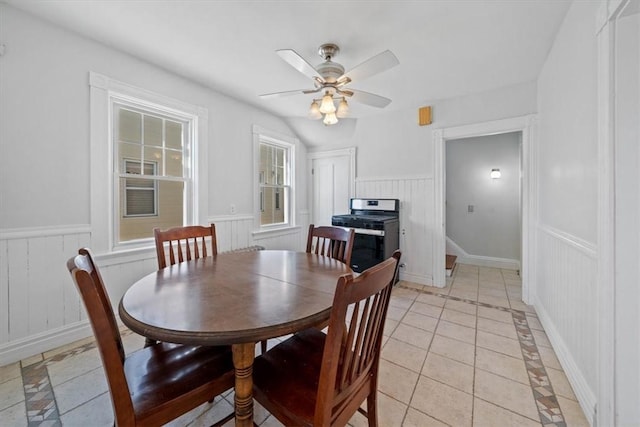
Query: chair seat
[
  {"x": 289, "y": 372},
  {"x": 165, "y": 373}
]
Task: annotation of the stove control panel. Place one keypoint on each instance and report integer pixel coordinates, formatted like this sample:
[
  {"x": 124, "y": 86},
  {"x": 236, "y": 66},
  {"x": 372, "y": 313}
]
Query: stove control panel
[{"x": 390, "y": 205}]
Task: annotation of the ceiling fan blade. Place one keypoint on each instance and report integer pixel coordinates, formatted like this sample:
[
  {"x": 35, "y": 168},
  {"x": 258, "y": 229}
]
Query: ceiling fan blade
[
  {"x": 374, "y": 65},
  {"x": 285, "y": 93},
  {"x": 299, "y": 63},
  {"x": 369, "y": 98}
]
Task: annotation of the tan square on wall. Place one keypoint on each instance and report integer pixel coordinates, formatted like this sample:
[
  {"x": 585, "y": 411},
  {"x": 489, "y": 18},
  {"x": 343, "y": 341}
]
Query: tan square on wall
[{"x": 424, "y": 116}]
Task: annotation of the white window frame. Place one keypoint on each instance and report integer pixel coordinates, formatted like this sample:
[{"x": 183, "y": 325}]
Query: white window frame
[
  {"x": 261, "y": 135},
  {"x": 118, "y": 101},
  {"x": 104, "y": 92}
]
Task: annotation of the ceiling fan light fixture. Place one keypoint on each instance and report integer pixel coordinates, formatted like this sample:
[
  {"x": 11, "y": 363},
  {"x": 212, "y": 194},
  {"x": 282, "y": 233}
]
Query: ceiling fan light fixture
[
  {"x": 330, "y": 77},
  {"x": 330, "y": 119},
  {"x": 327, "y": 106},
  {"x": 343, "y": 108},
  {"x": 314, "y": 111}
]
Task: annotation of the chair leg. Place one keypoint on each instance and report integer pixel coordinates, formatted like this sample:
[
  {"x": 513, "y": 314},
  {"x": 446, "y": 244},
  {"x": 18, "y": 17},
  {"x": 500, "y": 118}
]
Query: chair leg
[
  {"x": 372, "y": 409},
  {"x": 148, "y": 342},
  {"x": 263, "y": 346}
]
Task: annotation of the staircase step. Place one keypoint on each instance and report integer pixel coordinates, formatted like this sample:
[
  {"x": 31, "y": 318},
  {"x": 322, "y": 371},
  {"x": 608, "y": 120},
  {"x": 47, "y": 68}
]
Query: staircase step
[{"x": 451, "y": 261}]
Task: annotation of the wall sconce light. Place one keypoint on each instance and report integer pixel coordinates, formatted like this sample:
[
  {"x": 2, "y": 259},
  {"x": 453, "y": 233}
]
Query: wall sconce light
[{"x": 495, "y": 173}]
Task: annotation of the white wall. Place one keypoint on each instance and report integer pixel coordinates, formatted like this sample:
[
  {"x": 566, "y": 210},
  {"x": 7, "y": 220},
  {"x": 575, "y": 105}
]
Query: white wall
[
  {"x": 395, "y": 159},
  {"x": 44, "y": 175},
  {"x": 567, "y": 199},
  {"x": 493, "y": 229},
  {"x": 45, "y": 99}
]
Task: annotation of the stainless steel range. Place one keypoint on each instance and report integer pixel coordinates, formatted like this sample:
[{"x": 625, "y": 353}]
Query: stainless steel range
[{"x": 377, "y": 230}]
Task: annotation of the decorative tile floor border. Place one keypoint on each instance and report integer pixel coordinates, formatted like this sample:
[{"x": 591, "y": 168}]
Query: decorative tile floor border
[
  {"x": 42, "y": 409},
  {"x": 38, "y": 394},
  {"x": 40, "y": 401},
  {"x": 546, "y": 400}
]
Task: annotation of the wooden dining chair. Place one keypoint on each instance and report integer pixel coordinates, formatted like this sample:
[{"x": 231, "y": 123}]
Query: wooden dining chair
[
  {"x": 313, "y": 379},
  {"x": 156, "y": 384},
  {"x": 334, "y": 242},
  {"x": 185, "y": 243}
]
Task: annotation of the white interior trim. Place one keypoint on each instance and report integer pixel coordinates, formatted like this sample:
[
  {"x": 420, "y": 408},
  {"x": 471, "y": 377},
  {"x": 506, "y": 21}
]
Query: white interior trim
[
  {"x": 284, "y": 140},
  {"x": 524, "y": 124},
  {"x": 587, "y": 248},
  {"x": 102, "y": 91},
  {"x": 483, "y": 261},
  {"x": 14, "y": 351},
  {"x": 396, "y": 177},
  {"x": 346, "y": 152},
  {"x": 584, "y": 394},
  {"x": 605, "y": 29},
  {"x": 48, "y": 231},
  {"x": 226, "y": 218}
]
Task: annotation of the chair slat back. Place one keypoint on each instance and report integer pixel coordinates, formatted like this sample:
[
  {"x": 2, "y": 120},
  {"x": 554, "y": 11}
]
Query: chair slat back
[
  {"x": 185, "y": 243},
  {"x": 352, "y": 348},
  {"x": 334, "y": 242},
  {"x": 90, "y": 285}
]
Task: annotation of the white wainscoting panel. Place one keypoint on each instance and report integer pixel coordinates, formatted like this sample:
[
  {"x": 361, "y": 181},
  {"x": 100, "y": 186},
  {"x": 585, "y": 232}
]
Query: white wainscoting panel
[
  {"x": 40, "y": 308},
  {"x": 38, "y": 295},
  {"x": 233, "y": 231},
  {"x": 566, "y": 303},
  {"x": 236, "y": 231},
  {"x": 416, "y": 221}
]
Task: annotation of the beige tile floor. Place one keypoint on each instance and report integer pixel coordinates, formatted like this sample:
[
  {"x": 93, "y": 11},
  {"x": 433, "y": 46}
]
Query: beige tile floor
[{"x": 450, "y": 356}]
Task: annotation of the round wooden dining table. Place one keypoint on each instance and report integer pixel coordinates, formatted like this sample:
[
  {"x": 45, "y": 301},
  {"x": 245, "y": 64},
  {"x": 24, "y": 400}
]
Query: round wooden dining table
[{"x": 237, "y": 299}]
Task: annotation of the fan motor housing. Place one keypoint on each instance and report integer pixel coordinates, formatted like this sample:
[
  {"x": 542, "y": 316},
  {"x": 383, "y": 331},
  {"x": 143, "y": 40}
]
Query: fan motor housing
[{"x": 330, "y": 71}]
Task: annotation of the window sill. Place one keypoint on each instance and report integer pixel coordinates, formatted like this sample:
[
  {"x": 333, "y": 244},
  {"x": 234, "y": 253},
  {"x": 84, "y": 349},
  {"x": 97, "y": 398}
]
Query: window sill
[
  {"x": 121, "y": 255},
  {"x": 272, "y": 232}
]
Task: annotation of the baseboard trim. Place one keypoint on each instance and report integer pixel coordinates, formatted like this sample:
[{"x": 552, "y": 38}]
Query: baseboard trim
[
  {"x": 15, "y": 351},
  {"x": 586, "y": 397},
  {"x": 483, "y": 261},
  {"x": 416, "y": 278}
]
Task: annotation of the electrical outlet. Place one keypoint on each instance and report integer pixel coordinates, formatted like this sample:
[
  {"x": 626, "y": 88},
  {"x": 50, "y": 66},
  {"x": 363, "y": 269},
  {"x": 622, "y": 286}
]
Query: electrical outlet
[{"x": 232, "y": 208}]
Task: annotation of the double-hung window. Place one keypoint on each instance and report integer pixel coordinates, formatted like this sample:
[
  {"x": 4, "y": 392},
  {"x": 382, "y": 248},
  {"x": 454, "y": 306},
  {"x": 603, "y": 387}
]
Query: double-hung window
[
  {"x": 148, "y": 165},
  {"x": 275, "y": 170},
  {"x": 151, "y": 169}
]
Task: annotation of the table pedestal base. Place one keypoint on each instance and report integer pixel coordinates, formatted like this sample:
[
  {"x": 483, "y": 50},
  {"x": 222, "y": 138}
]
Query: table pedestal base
[{"x": 243, "y": 355}]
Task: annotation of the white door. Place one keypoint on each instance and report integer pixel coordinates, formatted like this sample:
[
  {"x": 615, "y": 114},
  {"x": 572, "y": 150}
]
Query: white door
[{"x": 332, "y": 183}]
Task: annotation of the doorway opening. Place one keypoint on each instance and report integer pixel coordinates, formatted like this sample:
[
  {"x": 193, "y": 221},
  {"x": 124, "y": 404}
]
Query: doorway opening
[
  {"x": 483, "y": 215},
  {"x": 525, "y": 127}
]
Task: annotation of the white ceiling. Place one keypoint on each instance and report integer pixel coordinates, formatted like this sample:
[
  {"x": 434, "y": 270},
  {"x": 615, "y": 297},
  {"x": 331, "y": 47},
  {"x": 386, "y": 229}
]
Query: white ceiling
[{"x": 445, "y": 48}]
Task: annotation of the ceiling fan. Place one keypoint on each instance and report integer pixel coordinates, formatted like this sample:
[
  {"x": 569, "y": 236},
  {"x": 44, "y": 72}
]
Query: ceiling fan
[{"x": 330, "y": 79}]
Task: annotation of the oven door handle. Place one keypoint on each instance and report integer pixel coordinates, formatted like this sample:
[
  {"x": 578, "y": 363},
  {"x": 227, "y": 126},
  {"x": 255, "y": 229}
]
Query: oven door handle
[{"x": 369, "y": 232}]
